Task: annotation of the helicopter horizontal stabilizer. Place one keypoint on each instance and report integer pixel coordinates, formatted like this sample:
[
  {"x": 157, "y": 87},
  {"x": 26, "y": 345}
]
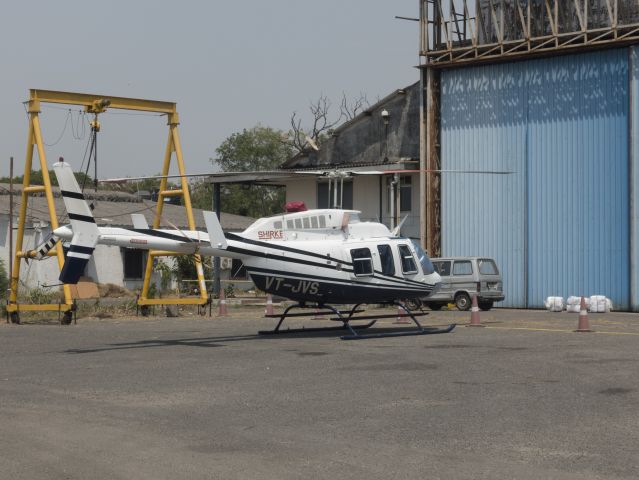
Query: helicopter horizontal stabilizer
[
  {"x": 85, "y": 231},
  {"x": 216, "y": 234},
  {"x": 139, "y": 221}
]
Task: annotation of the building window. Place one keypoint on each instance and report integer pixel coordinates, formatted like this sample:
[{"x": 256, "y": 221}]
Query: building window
[
  {"x": 405, "y": 194},
  {"x": 362, "y": 262},
  {"x": 325, "y": 198},
  {"x": 134, "y": 263}
]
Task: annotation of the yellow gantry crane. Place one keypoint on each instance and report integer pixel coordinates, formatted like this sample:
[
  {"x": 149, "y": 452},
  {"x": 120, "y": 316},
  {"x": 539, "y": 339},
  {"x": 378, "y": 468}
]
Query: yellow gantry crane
[{"x": 96, "y": 104}]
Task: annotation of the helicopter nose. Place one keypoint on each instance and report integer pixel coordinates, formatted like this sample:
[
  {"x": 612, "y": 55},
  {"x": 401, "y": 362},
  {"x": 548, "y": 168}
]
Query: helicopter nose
[{"x": 64, "y": 232}]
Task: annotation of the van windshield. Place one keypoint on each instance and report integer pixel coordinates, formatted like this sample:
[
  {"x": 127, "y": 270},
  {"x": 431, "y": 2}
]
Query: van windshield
[
  {"x": 424, "y": 260},
  {"x": 487, "y": 266}
]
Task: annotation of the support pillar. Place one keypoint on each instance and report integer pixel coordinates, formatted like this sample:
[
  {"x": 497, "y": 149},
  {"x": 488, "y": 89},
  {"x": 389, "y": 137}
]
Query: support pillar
[{"x": 433, "y": 163}]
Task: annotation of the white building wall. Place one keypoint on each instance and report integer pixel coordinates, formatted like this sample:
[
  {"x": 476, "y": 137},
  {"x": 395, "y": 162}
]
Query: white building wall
[
  {"x": 32, "y": 274},
  {"x": 366, "y": 197},
  {"x": 304, "y": 190},
  {"x": 366, "y": 192},
  {"x": 106, "y": 265}
]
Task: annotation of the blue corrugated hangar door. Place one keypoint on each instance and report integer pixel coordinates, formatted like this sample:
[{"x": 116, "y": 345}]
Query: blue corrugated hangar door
[{"x": 558, "y": 225}]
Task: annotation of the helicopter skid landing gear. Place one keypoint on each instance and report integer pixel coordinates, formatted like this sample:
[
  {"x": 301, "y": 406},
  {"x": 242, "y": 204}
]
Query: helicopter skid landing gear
[
  {"x": 419, "y": 331},
  {"x": 330, "y": 311},
  {"x": 346, "y": 316}
]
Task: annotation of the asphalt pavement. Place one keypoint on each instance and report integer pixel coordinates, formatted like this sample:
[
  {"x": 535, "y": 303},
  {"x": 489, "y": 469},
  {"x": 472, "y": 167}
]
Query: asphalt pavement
[{"x": 201, "y": 398}]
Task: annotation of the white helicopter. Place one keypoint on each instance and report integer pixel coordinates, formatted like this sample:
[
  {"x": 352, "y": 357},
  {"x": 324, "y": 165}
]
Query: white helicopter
[{"x": 320, "y": 257}]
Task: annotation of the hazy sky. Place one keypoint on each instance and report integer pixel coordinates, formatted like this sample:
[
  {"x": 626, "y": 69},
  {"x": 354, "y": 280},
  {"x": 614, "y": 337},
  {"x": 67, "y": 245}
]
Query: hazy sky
[{"x": 229, "y": 65}]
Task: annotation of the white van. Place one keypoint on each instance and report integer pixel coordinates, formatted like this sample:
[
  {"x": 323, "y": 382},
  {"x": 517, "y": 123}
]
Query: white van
[{"x": 463, "y": 277}]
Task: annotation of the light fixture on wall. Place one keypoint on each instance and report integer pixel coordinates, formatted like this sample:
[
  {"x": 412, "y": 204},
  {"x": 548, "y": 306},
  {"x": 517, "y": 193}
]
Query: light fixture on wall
[
  {"x": 385, "y": 119},
  {"x": 385, "y": 116}
]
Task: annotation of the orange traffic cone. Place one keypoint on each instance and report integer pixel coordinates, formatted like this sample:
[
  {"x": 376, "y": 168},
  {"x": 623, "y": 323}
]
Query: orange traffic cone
[
  {"x": 223, "y": 311},
  {"x": 269, "y": 305},
  {"x": 474, "y": 314},
  {"x": 583, "y": 325},
  {"x": 402, "y": 318}
]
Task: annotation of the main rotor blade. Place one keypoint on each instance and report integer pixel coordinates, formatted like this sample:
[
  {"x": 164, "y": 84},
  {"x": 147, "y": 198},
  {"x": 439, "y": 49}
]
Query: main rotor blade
[
  {"x": 390, "y": 172},
  {"x": 151, "y": 177},
  {"x": 318, "y": 173}
]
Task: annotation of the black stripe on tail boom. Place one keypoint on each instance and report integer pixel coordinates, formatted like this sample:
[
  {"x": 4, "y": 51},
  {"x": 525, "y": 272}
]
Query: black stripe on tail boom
[
  {"x": 73, "y": 269},
  {"x": 70, "y": 194},
  {"x": 81, "y": 218},
  {"x": 81, "y": 249}
]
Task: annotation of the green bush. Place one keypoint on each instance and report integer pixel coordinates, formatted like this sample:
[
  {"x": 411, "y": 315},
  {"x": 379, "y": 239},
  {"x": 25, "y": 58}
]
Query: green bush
[{"x": 4, "y": 281}]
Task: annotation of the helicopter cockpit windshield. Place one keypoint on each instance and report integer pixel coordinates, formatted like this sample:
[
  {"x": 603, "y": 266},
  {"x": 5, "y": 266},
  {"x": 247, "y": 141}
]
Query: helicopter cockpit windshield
[{"x": 424, "y": 260}]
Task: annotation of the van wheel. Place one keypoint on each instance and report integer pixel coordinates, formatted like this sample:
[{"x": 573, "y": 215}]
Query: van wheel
[
  {"x": 434, "y": 306},
  {"x": 487, "y": 305},
  {"x": 462, "y": 301}
]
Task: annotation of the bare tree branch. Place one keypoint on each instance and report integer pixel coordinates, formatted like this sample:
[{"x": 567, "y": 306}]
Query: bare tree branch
[
  {"x": 358, "y": 105},
  {"x": 322, "y": 121}
]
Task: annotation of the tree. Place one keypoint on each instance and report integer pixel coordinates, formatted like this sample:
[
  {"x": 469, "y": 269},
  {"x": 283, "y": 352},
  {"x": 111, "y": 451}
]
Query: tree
[
  {"x": 322, "y": 121},
  {"x": 35, "y": 178},
  {"x": 258, "y": 148},
  {"x": 4, "y": 281}
]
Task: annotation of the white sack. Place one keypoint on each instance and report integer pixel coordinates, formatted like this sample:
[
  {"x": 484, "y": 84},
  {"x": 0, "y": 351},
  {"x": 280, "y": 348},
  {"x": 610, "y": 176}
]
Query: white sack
[
  {"x": 554, "y": 304},
  {"x": 599, "y": 304}
]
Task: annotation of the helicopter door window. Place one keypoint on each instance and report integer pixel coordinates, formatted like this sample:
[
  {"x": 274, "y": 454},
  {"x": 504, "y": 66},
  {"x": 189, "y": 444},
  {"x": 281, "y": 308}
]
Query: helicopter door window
[
  {"x": 386, "y": 259},
  {"x": 362, "y": 262},
  {"x": 408, "y": 262}
]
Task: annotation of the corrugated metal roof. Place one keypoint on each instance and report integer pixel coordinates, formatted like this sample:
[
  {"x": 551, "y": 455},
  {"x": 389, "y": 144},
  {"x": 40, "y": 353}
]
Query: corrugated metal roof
[{"x": 109, "y": 213}]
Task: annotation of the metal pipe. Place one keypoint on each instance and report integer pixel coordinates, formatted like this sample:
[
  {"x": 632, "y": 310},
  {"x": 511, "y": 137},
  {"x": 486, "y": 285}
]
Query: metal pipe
[
  {"x": 398, "y": 196},
  {"x": 392, "y": 203},
  {"x": 216, "y": 260},
  {"x": 10, "y": 216},
  {"x": 10, "y": 263}
]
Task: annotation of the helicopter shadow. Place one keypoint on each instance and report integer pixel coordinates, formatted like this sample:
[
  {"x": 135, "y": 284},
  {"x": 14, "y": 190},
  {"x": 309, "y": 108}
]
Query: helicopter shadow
[{"x": 222, "y": 341}]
